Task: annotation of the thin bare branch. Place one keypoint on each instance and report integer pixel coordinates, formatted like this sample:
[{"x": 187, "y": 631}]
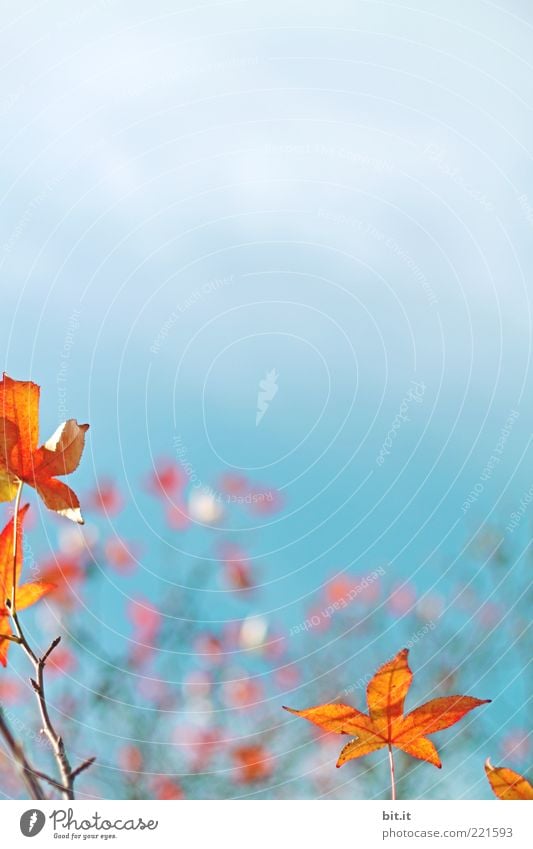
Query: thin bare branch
[
  {"x": 66, "y": 785},
  {"x": 82, "y": 767},
  {"x": 28, "y": 774}
]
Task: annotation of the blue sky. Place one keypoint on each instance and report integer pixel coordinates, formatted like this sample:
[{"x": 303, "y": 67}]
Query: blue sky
[{"x": 192, "y": 196}]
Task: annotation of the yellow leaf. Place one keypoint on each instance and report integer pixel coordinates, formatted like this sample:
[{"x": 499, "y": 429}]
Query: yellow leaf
[{"x": 508, "y": 784}]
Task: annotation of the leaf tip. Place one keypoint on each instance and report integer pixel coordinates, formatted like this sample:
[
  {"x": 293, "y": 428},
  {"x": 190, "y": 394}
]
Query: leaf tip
[{"x": 72, "y": 513}]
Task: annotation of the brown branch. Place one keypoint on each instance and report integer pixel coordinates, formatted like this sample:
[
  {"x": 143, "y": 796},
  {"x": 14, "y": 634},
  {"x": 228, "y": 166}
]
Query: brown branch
[
  {"x": 66, "y": 786},
  {"x": 82, "y": 767},
  {"x": 68, "y": 775},
  {"x": 28, "y": 774},
  {"x": 54, "y": 737},
  {"x": 44, "y": 777}
]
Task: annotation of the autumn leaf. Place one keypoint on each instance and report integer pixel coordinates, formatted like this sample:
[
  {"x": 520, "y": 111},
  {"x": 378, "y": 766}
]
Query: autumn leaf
[
  {"x": 64, "y": 573},
  {"x": 386, "y": 724},
  {"x": 177, "y": 516},
  {"x": 121, "y": 554},
  {"x": 253, "y": 763},
  {"x": 507, "y": 784},
  {"x": 106, "y": 498},
  {"x": 22, "y": 461},
  {"x": 27, "y": 594},
  {"x": 166, "y": 789},
  {"x": 237, "y": 566},
  {"x": 167, "y": 479}
]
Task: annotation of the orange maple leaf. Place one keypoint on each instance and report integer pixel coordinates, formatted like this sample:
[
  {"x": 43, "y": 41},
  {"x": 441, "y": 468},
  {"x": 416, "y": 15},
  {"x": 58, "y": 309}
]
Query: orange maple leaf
[
  {"x": 385, "y": 724},
  {"x": 27, "y": 594},
  {"x": 506, "y": 783},
  {"x": 22, "y": 461}
]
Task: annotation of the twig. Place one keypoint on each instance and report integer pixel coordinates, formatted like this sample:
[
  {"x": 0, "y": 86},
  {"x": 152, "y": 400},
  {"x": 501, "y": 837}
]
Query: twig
[
  {"x": 66, "y": 786},
  {"x": 54, "y": 644},
  {"x": 44, "y": 777},
  {"x": 82, "y": 767},
  {"x": 29, "y": 775},
  {"x": 55, "y": 739}
]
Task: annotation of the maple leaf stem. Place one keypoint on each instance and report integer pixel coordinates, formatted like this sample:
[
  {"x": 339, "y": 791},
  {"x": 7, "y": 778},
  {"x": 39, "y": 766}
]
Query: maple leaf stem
[
  {"x": 16, "y": 509},
  {"x": 392, "y": 779},
  {"x": 10, "y": 638}
]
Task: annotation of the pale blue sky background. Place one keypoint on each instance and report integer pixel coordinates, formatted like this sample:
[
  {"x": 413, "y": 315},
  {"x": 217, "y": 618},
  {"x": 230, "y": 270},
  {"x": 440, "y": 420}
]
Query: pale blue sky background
[{"x": 358, "y": 175}]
